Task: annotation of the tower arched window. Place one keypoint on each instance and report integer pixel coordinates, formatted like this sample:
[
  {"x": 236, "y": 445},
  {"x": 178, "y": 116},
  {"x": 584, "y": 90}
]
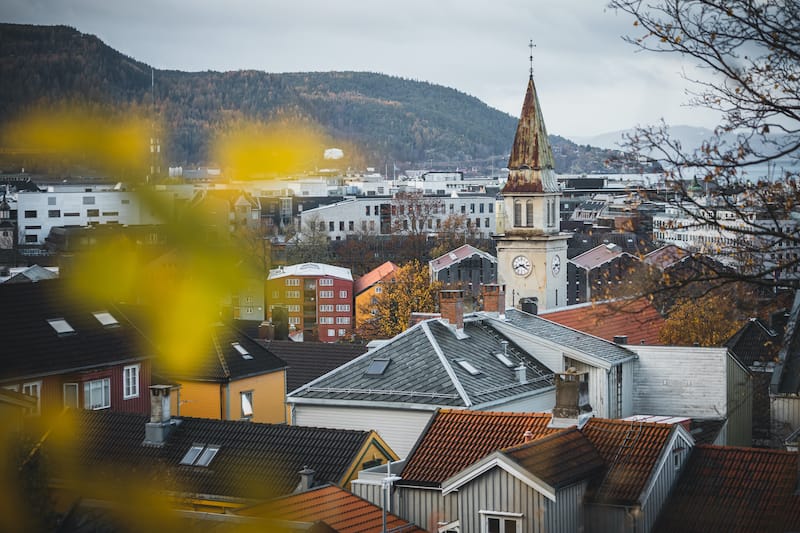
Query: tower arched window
[
  {"x": 529, "y": 213},
  {"x": 517, "y": 213}
]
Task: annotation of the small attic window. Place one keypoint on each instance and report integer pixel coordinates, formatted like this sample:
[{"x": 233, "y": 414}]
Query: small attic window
[
  {"x": 242, "y": 350},
  {"x": 200, "y": 455},
  {"x": 377, "y": 367},
  {"x": 61, "y": 326},
  {"x": 503, "y": 358},
  {"x": 469, "y": 367},
  {"x": 106, "y": 319}
]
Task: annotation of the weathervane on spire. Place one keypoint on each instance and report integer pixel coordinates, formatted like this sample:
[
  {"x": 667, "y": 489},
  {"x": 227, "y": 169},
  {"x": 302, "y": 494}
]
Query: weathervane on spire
[{"x": 531, "y": 46}]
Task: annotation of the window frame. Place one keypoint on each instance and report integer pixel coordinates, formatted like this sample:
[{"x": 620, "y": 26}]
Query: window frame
[
  {"x": 38, "y": 386},
  {"x": 132, "y": 390},
  {"x": 502, "y": 518},
  {"x": 105, "y": 392},
  {"x": 246, "y": 395}
]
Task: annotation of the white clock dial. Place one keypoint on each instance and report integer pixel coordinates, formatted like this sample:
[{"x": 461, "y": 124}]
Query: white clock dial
[
  {"x": 521, "y": 265},
  {"x": 556, "y": 266}
]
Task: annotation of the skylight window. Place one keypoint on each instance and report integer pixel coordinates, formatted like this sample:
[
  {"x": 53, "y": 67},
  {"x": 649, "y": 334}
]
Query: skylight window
[
  {"x": 242, "y": 350},
  {"x": 200, "y": 455},
  {"x": 377, "y": 367},
  {"x": 61, "y": 326},
  {"x": 503, "y": 358},
  {"x": 106, "y": 319},
  {"x": 469, "y": 367}
]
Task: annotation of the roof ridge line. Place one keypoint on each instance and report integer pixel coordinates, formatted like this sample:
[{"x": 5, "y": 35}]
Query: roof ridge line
[{"x": 446, "y": 364}]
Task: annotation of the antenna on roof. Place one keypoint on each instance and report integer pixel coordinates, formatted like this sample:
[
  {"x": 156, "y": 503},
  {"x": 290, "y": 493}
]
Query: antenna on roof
[{"x": 531, "y": 46}]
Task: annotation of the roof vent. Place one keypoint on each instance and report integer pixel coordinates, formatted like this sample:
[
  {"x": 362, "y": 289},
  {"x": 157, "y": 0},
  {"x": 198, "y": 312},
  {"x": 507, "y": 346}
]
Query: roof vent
[{"x": 620, "y": 339}]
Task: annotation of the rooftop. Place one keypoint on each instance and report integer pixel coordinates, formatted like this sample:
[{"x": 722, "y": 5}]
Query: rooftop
[
  {"x": 374, "y": 276},
  {"x": 457, "y": 255},
  {"x": 597, "y": 256},
  {"x": 311, "y": 270}
]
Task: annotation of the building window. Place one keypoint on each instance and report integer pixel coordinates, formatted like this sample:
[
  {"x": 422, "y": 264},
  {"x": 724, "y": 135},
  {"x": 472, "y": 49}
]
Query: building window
[
  {"x": 529, "y": 213},
  {"x": 326, "y": 294},
  {"x": 342, "y": 319},
  {"x": 502, "y": 523},
  {"x": 517, "y": 214},
  {"x": 294, "y": 308},
  {"x": 343, "y": 307},
  {"x": 54, "y": 213},
  {"x": 34, "y": 389},
  {"x": 342, "y": 332},
  {"x": 292, "y": 294},
  {"x": 326, "y": 308},
  {"x": 294, "y": 320},
  {"x": 97, "y": 394},
  {"x": 110, "y": 213},
  {"x": 51, "y": 200},
  {"x": 130, "y": 380},
  {"x": 88, "y": 200},
  {"x": 31, "y": 238},
  {"x": 330, "y": 226},
  {"x": 71, "y": 395},
  {"x": 292, "y": 282},
  {"x": 342, "y": 294},
  {"x": 341, "y": 225},
  {"x": 92, "y": 212},
  {"x": 326, "y": 320},
  {"x": 331, "y": 333},
  {"x": 378, "y": 289},
  {"x": 30, "y": 214},
  {"x": 326, "y": 282},
  {"x": 247, "y": 404},
  {"x": 351, "y": 226}
]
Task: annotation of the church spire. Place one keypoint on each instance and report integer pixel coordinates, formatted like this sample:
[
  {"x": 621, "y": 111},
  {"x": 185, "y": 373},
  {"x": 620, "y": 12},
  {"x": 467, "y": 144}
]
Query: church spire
[{"x": 531, "y": 167}]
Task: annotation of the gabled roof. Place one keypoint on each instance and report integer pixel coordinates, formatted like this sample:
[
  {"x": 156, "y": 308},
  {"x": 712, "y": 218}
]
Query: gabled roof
[
  {"x": 254, "y": 460},
  {"x": 230, "y": 355},
  {"x": 666, "y": 256},
  {"x": 311, "y": 270},
  {"x": 456, "y": 256},
  {"x": 343, "y": 511},
  {"x": 631, "y": 450},
  {"x": 599, "y": 255},
  {"x": 372, "y": 277},
  {"x": 732, "y": 490},
  {"x": 32, "y": 274},
  {"x": 546, "y": 464},
  {"x": 636, "y": 319},
  {"x": 604, "y": 352},
  {"x": 755, "y": 341},
  {"x": 309, "y": 360},
  {"x": 33, "y": 347},
  {"x": 455, "y": 439},
  {"x": 429, "y": 364}
]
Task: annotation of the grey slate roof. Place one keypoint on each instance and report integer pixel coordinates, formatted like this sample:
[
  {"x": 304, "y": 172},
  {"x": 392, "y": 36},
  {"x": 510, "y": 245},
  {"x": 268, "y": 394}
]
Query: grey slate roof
[
  {"x": 309, "y": 360},
  {"x": 590, "y": 345},
  {"x": 424, "y": 369}
]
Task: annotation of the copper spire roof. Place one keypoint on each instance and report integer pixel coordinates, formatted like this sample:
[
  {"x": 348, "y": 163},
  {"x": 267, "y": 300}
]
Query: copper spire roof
[{"x": 531, "y": 162}]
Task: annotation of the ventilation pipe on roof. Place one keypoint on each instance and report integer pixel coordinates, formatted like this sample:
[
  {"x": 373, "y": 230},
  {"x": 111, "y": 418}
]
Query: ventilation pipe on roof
[
  {"x": 620, "y": 339},
  {"x": 522, "y": 376},
  {"x": 306, "y": 479}
]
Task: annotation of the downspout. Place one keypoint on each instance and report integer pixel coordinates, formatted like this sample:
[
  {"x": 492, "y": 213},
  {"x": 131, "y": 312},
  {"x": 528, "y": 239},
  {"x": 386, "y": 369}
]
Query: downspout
[
  {"x": 228, "y": 400},
  {"x": 608, "y": 394}
]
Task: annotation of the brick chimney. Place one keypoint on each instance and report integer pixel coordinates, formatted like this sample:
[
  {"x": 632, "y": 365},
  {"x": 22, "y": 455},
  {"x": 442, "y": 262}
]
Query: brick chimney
[
  {"x": 157, "y": 430},
  {"x": 494, "y": 298},
  {"x": 451, "y": 306},
  {"x": 572, "y": 399},
  {"x": 266, "y": 331}
]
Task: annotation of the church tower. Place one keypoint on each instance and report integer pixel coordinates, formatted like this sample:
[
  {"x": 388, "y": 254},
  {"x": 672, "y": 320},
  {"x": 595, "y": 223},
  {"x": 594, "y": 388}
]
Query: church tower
[{"x": 531, "y": 249}]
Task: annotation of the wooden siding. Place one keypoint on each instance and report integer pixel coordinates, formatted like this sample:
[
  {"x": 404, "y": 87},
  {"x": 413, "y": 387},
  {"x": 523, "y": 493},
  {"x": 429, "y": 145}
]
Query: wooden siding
[
  {"x": 740, "y": 404},
  {"x": 269, "y": 397},
  {"x": 400, "y": 428},
  {"x": 425, "y": 507},
  {"x": 680, "y": 381},
  {"x": 201, "y": 400},
  {"x": 785, "y": 411}
]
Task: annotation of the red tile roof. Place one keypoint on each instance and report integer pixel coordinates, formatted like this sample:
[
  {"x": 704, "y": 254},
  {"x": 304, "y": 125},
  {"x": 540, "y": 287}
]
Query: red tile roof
[
  {"x": 631, "y": 450},
  {"x": 341, "y": 510},
  {"x": 560, "y": 459},
  {"x": 457, "y": 438},
  {"x": 732, "y": 490},
  {"x": 373, "y": 276},
  {"x": 636, "y": 319}
]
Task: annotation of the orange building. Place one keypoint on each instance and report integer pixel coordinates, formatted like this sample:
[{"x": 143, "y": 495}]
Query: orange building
[{"x": 368, "y": 287}]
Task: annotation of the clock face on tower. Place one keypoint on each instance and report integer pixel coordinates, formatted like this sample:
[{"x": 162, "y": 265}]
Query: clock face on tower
[
  {"x": 556, "y": 266},
  {"x": 521, "y": 265}
]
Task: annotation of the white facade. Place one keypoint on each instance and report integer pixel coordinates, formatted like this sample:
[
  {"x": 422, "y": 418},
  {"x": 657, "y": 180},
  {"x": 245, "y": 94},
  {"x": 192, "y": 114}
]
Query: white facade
[{"x": 38, "y": 212}]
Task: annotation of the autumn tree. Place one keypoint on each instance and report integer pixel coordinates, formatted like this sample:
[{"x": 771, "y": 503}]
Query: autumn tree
[
  {"x": 410, "y": 291},
  {"x": 749, "y": 54},
  {"x": 707, "y": 321},
  {"x": 455, "y": 231},
  {"x": 311, "y": 245}
]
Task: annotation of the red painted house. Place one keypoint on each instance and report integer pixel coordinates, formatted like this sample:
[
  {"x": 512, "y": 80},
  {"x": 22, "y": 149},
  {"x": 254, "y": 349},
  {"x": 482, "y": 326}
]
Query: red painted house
[
  {"x": 317, "y": 300},
  {"x": 69, "y": 353}
]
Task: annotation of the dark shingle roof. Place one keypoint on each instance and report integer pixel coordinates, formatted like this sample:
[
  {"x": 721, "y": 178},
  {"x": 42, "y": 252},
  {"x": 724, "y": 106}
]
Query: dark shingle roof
[
  {"x": 455, "y": 439},
  {"x": 424, "y": 369},
  {"x": 755, "y": 341},
  {"x": 343, "y": 511},
  {"x": 560, "y": 459},
  {"x": 32, "y": 347},
  {"x": 309, "y": 360},
  {"x": 254, "y": 460},
  {"x": 592, "y": 346},
  {"x": 734, "y": 490}
]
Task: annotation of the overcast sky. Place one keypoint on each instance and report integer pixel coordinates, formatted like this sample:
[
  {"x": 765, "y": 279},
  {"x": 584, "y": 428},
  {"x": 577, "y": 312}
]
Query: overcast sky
[{"x": 589, "y": 81}]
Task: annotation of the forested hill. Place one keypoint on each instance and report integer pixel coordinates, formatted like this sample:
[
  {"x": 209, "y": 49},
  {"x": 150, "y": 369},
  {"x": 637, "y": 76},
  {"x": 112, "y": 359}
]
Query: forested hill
[{"x": 390, "y": 119}]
